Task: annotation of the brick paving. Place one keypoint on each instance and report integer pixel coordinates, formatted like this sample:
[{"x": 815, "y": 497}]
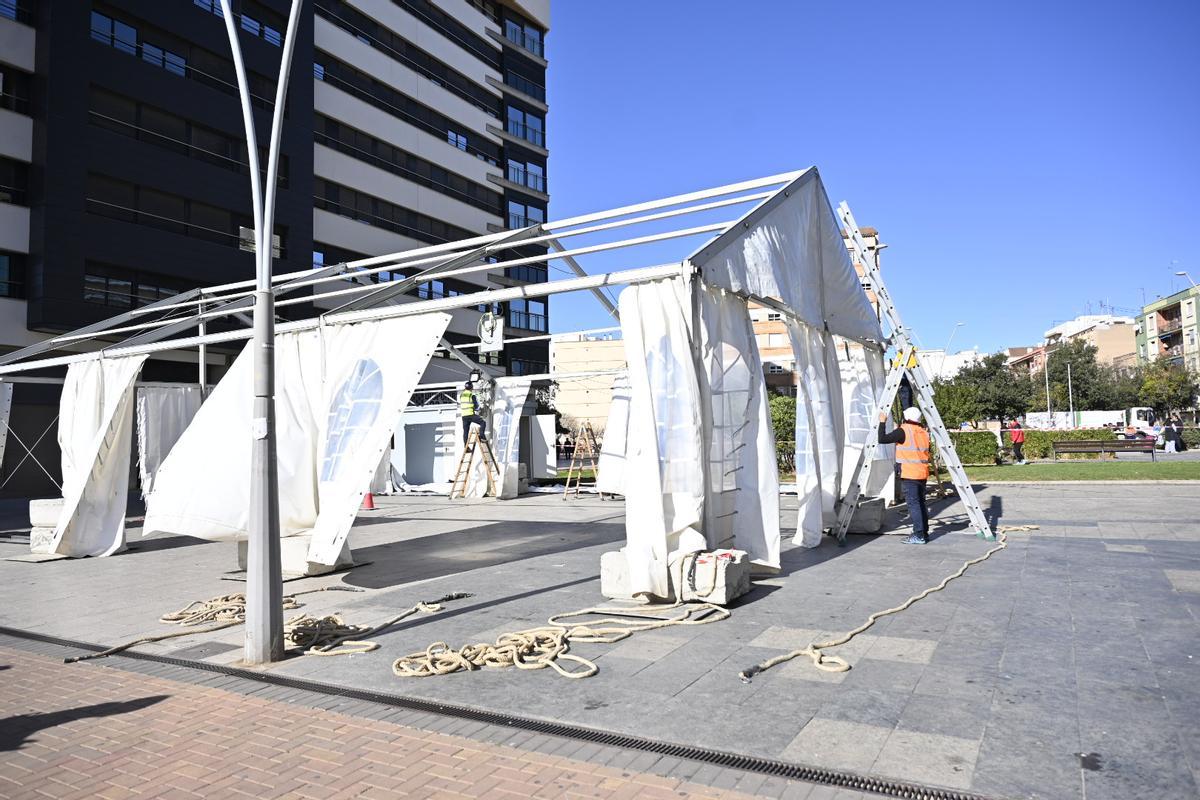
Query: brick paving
[{"x": 96, "y": 731}]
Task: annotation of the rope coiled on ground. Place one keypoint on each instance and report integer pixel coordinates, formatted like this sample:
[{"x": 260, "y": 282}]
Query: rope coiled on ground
[
  {"x": 832, "y": 663},
  {"x": 547, "y": 646}
]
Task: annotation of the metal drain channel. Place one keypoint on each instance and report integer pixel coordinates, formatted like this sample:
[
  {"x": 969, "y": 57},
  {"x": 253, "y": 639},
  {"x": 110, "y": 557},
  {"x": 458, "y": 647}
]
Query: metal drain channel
[{"x": 764, "y": 766}]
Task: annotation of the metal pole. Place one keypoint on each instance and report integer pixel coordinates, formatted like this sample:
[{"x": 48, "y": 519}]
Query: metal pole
[
  {"x": 202, "y": 375},
  {"x": 264, "y": 579},
  {"x": 1070, "y": 396},
  {"x": 1046, "y": 372}
]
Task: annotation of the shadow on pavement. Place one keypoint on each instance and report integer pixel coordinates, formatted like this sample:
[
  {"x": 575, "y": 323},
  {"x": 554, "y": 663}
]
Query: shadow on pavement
[
  {"x": 443, "y": 554},
  {"x": 15, "y": 731}
]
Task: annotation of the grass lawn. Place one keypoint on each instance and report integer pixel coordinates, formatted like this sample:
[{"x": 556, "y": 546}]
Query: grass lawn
[{"x": 1091, "y": 471}]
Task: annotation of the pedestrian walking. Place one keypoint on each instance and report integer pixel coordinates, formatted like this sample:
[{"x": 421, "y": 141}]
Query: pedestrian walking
[
  {"x": 912, "y": 456},
  {"x": 1171, "y": 437},
  {"x": 1017, "y": 434}
]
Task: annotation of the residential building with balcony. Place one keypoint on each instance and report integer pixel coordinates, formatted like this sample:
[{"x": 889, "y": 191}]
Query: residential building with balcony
[
  {"x": 430, "y": 126},
  {"x": 1167, "y": 328},
  {"x": 1112, "y": 336}
]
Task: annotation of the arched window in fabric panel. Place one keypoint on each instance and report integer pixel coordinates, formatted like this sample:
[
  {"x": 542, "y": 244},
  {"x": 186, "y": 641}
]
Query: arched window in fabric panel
[{"x": 352, "y": 412}]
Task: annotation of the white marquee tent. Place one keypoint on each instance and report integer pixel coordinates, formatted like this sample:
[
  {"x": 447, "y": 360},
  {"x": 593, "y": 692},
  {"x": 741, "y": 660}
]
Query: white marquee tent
[{"x": 698, "y": 462}]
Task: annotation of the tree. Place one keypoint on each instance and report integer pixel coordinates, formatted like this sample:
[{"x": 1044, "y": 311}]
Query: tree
[
  {"x": 998, "y": 393},
  {"x": 957, "y": 401},
  {"x": 1087, "y": 386},
  {"x": 1167, "y": 388},
  {"x": 783, "y": 417}
]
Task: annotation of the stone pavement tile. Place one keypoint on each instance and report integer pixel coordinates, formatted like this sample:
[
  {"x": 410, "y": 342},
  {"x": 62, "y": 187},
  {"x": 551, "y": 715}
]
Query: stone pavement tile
[
  {"x": 940, "y": 680},
  {"x": 894, "y": 648},
  {"x": 1184, "y": 580},
  {"x": 1126, "y": 548},
  {"x": 964, "y": 718},
  {"x": 886, "y": 676},
  {"x": 838, "y": 745},
  {"x": 928, "y": 758},
  {"x": 1014, "y": 761},
  {"x": 865, "y": 706},
  {"x": 647, "y": 647}
]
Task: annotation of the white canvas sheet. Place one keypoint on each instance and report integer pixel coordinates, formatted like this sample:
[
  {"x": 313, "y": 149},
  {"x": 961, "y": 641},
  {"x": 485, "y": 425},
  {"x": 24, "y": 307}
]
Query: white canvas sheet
[
  {"x": 810, "y": 352},
  {"x": 339, "y": 393},
  {"x": 795, "y": 253},
  {"x": 95, "y": 429},
  {"x": 163, "y": 414},
  {"x": 367, "y": 382},
  {"x": 809, "y": 515},
  {"x": 6, "y": 394},
  {"x": 664, "y": 484},
  {"x": 508, "y": 401},
  {"x": 862, "y": 379},
  {"x": 743, "y": 510},
  {"x": 611, "y": 465}
]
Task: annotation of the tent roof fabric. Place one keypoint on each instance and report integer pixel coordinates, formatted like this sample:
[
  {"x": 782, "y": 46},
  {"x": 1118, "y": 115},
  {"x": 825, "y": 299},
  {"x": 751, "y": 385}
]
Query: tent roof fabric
[{"x": 790, "y": 248}]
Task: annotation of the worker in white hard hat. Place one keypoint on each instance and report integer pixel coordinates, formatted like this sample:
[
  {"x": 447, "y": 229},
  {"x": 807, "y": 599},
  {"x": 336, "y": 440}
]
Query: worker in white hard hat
[{"x": 912, "y": 456}]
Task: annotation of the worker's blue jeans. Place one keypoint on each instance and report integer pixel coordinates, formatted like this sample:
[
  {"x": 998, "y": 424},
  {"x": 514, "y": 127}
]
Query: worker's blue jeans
[
  {"x": 478, "y": 420},
  {"x": 918, "y": 512}
]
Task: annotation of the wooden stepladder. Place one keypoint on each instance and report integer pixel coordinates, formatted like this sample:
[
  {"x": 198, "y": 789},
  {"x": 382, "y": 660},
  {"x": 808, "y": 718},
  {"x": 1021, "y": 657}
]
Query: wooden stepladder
[
  {"x": 462, "y": 475},
  {"x": 585, "y": 454}
]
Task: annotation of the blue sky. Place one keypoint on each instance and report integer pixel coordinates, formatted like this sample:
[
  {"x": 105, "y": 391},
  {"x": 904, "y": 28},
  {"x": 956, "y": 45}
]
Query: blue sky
[{"x": 1021, "y": 159}]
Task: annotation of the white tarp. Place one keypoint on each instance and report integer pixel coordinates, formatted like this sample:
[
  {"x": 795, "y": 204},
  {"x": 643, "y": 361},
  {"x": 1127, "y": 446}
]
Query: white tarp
[
  {"x": 508, "y": 401},
  {"x": 543, "y": 458},
  {"x": 163, "y": 414},
  {"x": 862, "y": 379},
  {"x": 664, "y": 483},
  {"x": 611, "y": 466},
  {"x": 794, "y": 252},
  {"x": 95, "y": 429},
  {"x": 743, "y": 474},
  {"x": 809, "y": 516},
  {"x": 810, "y": 350},
  {"x": 339, "y": 393}
]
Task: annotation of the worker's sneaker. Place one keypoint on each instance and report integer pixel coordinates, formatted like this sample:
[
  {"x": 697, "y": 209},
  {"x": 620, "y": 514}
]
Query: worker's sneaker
[{"x": 916, "y": 538}]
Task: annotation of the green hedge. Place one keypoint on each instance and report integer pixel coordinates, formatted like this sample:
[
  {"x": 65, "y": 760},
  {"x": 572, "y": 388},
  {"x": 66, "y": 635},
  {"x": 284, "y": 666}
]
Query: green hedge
[
  {"x": 1038, "y": 443},
  {"x": 1191, "y": 437},
  {"x": 975, "y": 447}
]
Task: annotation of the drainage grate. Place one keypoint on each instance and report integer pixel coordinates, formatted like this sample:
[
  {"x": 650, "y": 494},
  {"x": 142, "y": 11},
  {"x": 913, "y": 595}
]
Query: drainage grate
[{"x": 763, "y": 766}]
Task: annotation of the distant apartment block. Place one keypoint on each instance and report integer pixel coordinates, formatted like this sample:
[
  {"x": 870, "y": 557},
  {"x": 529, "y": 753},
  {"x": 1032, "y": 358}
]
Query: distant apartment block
[
  {"x": 1167, "y": 328},
  {"x": 1113, "y": 337}
]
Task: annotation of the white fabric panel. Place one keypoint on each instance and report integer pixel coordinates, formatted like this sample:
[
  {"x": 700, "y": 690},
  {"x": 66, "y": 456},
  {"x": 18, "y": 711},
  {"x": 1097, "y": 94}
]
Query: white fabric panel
[
  {"x": 543, "y": 461},
  {"x": 202, "y": 488},
  {"x": 880, "y": 484},
  {"x": 428, "y": 445},
  {"x": 368, "y": 381},
  {"x": 795, "y": 253},
  {"x": 508, "y": 400},
  {"x": 163, "y": 414},
  {"x": 95, "y": 430},
  {"x": 611, "y": 465},
  {"x": 339, "y": 392},
  {"x": 809, "y": 346},
  {"x": 664, "y": 484},
  {"x": 857, "y": 412},
  {"x": 809, "y": 516},
  {"x": 743, "y": 475}
]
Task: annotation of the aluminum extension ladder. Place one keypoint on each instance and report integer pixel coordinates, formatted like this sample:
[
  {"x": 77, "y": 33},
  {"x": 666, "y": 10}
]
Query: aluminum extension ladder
[{"x": 907, "y": 364}]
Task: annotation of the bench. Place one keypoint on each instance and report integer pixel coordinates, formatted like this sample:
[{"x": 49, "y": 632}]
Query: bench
[{"x": 1106, "y": 446}]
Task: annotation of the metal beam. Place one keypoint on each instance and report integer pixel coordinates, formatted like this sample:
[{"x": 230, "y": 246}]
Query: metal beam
[{"x": 578, "y": 270}]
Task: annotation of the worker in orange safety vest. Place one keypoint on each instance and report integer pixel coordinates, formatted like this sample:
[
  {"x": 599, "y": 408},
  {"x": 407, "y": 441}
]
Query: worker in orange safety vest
[{"x": 912, "y": 456}]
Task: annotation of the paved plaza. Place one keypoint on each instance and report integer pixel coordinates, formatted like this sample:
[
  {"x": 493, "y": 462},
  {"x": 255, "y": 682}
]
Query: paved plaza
[{"x": 1063, "y": 667}]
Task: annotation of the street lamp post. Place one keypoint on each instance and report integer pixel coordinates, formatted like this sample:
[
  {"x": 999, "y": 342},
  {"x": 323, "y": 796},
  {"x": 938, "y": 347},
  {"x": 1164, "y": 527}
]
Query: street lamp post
[
  {"x": 264, "y": 578},
  {"x": 1183, "y": 274},
  {"x": 946, "y": 352}
]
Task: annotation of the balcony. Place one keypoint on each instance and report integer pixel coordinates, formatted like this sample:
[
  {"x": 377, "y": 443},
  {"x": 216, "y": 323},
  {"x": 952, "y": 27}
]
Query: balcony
[{"x": 1170, "y": 327}]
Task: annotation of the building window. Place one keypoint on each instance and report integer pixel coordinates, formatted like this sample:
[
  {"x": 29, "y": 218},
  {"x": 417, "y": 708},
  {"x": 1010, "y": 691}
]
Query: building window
[
  {"x": 521, "y": 215},
  {"x": 524, "y": 36},
  {"x": 775, "y": 369},
  {"x": 527, "y": 126},
  {"x": 365, "y": 208},
  {"x": 318, "y": 71},
  {"x": 530, "y": 273},
  {"x": 122, "y": 288},
  {"x": 527, "y": 174},
  {"x": 14, "y": 182},
  {"x": 251, "y": 25},
  {"x": 113, "y": 33},
  {"x": 457, "y": 140},
  {"x": 525, "y": 86},
  {"x": 14, "y": 89},
  {"x": 12, "y": 275},
  {"x": 523, "y": 366},
  {"x": 528, "y": 314}
]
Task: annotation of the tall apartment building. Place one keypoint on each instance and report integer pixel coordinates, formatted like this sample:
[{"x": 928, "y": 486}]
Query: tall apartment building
[
  {"x": 1112, "y": 336},
  {"x": 1168, "y": 328},
  {"x": 430, "y": 126},
  {"x": 123, "y": 171}
]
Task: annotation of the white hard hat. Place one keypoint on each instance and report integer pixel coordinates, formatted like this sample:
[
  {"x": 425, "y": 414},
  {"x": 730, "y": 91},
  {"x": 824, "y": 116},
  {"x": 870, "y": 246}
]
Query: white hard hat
[{"x": 912, "y": 414}]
